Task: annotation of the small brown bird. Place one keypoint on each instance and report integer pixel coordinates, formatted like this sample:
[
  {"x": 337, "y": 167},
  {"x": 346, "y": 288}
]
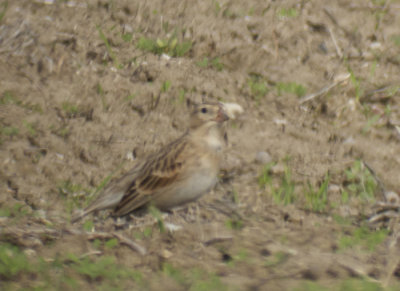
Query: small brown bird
[{"x": 179, "y": 173}]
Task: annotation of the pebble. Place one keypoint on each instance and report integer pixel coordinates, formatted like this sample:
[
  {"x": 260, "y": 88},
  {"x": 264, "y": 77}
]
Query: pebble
[
  {"x": 278, "y": 169},
  {"x": 333, "y": 188},
  {"x": 392, "y": 197},
  {"x": 166, "y": 254},
  {"x": 172, "y": 227},
  {"x": 128, "y": 28},
  {"x": 263, "y": 158}
]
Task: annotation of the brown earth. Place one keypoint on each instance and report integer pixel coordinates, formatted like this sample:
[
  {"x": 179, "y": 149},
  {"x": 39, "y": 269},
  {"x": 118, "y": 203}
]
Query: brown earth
[{"x": 80, "y": 100}]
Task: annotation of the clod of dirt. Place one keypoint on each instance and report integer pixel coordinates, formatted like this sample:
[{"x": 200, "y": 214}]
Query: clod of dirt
[{"x": 309, "y": 274}]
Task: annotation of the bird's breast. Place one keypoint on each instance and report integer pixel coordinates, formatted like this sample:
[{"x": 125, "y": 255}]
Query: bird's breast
[
  {"x": 214, "y": 142},
  {"x": 193, "y": 188},
  {"x": 196, "y": 182}
]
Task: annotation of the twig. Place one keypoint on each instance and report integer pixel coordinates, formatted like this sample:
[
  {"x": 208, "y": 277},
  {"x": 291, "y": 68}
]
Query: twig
[
  {"x": 155, "y": 101},
  {"x": 339, "y": 79},
  {"x": 92, "y": 253},
  {"x": 131, "y": 244},
  {"x": 217, "y": 240},
  {"x": 391, "y": 197},
  {"x": 383, "y": 216},
  {"x": 382, "y": 94},
  {"x": 356, "y": 270},
  {"x": 381, "y": 186},
  {"x": 338, "y": 50},
  {"x": 387, "y": 206},
  {"x": 321, "y": 92},
  {"x": 335, "y": 22}
]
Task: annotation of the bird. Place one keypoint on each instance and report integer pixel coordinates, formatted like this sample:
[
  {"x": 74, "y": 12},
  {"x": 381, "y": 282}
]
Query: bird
[{"x": 179, "y": 173}]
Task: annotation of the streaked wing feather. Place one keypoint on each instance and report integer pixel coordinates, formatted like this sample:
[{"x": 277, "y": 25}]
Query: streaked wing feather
[{"x": 159, "y": 172}]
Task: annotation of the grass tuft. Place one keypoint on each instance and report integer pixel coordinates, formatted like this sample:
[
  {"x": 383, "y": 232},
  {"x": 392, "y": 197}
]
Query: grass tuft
[
  {"x": 258, "y": 86},
  {"x": 12, "y": 261},
  {"x": 291, "y": 88},
  {"x": 363, "y": 237},
  {"x": 359, "y": 183},
  {"x": 3, "y": 12},
  {"x": 281, "y": 192},
  {"x": 171, "y": 46},
  {"x": 157, "y": 215},
  {"x": 211, "y": 63},
  {"x": 108, "y": 47},
  {"x": 287, "y": 13},
  {"x": 317, "y": 200}
]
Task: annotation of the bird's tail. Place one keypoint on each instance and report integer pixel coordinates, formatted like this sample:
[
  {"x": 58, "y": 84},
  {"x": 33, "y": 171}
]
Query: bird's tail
[
  {"x": 103, "y": 202},
  {"x": 79, "y": 215}
]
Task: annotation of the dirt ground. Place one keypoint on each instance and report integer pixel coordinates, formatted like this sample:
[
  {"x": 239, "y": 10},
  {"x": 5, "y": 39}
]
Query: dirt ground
[{"x": 88, "y": 87}]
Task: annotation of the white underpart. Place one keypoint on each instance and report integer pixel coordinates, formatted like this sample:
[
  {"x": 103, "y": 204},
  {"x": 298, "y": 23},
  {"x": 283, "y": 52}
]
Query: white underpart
[
  {"x": 232, "y": 110},
  {"x": 192, "y": 189},
  {"x": 214, "y": 141},
  {"x": 200, "y": 184}
]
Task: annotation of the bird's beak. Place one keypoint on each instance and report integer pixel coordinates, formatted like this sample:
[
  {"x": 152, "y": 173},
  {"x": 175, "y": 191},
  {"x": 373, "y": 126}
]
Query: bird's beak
[{"x": 221, "y": 116}]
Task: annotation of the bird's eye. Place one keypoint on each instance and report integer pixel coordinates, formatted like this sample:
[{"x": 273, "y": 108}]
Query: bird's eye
[{"x": 203, "y": 110}]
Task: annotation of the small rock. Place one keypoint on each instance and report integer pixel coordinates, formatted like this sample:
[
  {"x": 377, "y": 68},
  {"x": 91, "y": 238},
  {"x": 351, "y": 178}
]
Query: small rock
[
  {"x": 172, "y": 227},
  {"x": 352, "y": 104},
  {"x": 263, "y": 158},
  {"x": 128, "y": 28},
  {"x": 278, "y": 169},
  {"x": 166, "y": 254},
  {"x": 349, "y": 140},
  {"x": 375, "y": 45},
  {"x": 130, "y": 156},
  {"x": 60, "y": 156},
  {"x": 333, "y": 188},
  {"x": 392, "y": 197},
  {"x": 278, "y": 121},
  {"x": 165, "y": 57}
]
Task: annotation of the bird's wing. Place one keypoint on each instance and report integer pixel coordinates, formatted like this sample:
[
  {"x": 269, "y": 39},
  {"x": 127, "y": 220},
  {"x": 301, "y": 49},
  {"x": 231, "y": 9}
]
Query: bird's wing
[
  {"x": 111, "y": 195},
  {"x": 159, "y": 172}
]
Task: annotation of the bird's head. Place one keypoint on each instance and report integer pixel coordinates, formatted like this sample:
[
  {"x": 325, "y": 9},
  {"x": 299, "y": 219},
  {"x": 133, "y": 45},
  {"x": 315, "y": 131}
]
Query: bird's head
[{"x": 208, "y": 114}]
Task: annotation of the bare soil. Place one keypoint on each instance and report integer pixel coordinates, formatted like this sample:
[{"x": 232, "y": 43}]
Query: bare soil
[{"x": 81, "y": 101}]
